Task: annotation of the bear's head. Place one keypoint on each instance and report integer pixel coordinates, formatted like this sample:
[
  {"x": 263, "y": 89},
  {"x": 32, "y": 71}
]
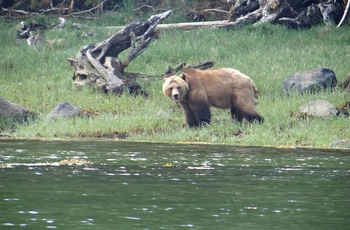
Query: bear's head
[{"x": 176, "y": 88}]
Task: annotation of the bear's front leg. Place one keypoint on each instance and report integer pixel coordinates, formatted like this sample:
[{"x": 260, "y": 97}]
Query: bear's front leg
[
  {"x": 203, "y": 115},
  {"x": 190, "y": 116}
]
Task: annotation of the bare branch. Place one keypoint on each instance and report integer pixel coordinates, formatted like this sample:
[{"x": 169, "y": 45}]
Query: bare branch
[
  {"x": 17, "y": 11},
  {"x": 90, "y": 10}
]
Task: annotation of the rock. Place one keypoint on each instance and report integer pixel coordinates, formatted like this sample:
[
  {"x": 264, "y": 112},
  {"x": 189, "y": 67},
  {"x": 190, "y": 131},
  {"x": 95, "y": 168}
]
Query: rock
[
  {"x": 319, "y": 108},
  {"x": 340, "y": 144},
  {"x": 310, "y": 81},
  {"x": 65, "y": 110},
  {"x": 11, "y": 113}
]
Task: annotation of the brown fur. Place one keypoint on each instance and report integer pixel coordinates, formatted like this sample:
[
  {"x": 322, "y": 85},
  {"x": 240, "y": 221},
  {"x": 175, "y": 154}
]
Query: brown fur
[{"x": 196, "y": 90}]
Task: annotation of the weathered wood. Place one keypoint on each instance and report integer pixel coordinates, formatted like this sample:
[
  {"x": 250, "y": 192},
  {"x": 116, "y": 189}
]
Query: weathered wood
[
  {"x": 184, "y": 25},
  {"x": 345, "y": 84},
  {"x": 292, "y": 13},
  {"x": 345, "y": 13},
  {"x": 193, "y": 25},
  {"x": 249, "y": 18},
  {"x": 242, "y": 8},
  {"x": 99, "y": 64},
  {"x": 183, "y": 66},
  {"x": 328, "y": 12}
]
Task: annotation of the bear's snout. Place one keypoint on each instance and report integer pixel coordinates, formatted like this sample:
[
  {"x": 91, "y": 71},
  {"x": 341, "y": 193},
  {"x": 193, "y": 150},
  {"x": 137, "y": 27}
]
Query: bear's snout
[{"x": 176, "y": 97}]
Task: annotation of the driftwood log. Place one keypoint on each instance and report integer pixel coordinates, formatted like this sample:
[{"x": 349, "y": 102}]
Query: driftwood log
[
  {"x": 99, "y": 65},
  {"x": 292, "y": 13},
  {"x": 183, "y": 66}
]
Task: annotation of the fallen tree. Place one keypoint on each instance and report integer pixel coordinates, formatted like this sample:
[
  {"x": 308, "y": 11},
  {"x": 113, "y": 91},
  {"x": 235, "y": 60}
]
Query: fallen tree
[
  {"x": 292, "y": 13},
  {"x": 99, "y": 65}
]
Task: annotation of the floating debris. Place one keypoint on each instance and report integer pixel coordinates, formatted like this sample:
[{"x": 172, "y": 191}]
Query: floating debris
[
  {"x": 168, "y": 165},
  {"x": 69, "y": 162}
]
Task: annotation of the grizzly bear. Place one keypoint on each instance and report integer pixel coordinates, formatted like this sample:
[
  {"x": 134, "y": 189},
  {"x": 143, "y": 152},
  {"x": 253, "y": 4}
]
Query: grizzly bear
[{"x": 196, "y": 90}]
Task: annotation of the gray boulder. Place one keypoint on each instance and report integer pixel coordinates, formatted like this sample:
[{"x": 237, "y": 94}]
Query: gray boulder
[
  {"x": 319, "y": 108},
  {"x": 65, "y": 110},
  {"x": 340, "y": 144},
  {"x": 310, "y": 81},
  {"x": 12, "y": 113}
]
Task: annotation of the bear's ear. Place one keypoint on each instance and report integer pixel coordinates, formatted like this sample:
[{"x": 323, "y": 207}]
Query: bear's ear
[{"x": 185, "y": 78}]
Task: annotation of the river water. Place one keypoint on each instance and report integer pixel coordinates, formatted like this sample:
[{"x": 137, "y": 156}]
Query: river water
[{"x": 131, "y": 185}]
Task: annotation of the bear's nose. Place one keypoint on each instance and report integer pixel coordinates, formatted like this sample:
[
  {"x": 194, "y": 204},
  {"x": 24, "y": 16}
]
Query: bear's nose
[{"x": 176, "y": 97}]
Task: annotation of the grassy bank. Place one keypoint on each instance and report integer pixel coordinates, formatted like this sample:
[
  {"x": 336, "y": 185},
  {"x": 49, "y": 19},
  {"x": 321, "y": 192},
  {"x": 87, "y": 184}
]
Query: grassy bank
[{"x": 268, "y": 54}]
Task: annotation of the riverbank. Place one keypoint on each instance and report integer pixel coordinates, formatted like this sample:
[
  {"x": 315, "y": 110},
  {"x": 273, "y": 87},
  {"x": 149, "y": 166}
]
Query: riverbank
[{"x": 40, "y": 80}]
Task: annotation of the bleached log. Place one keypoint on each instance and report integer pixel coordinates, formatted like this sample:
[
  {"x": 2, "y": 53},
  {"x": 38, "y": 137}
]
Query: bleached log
[{"x": 192, "y": 25}]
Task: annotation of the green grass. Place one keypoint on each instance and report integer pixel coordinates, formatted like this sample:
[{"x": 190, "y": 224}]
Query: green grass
[{"x": 268, "y": 54}]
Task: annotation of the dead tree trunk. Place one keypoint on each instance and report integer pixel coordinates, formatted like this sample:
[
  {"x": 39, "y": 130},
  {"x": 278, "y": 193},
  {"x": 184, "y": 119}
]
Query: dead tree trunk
[{"x": 98, "y": 65}]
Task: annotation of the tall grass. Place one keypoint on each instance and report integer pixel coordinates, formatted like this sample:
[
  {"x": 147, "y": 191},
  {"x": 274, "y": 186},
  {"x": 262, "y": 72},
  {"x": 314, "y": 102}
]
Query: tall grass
[{"x": 39, "y": 80}]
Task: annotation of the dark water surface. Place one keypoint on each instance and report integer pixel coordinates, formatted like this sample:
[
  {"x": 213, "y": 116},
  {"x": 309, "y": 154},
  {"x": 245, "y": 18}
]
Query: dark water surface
[{"x": 168, "y": 186}]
